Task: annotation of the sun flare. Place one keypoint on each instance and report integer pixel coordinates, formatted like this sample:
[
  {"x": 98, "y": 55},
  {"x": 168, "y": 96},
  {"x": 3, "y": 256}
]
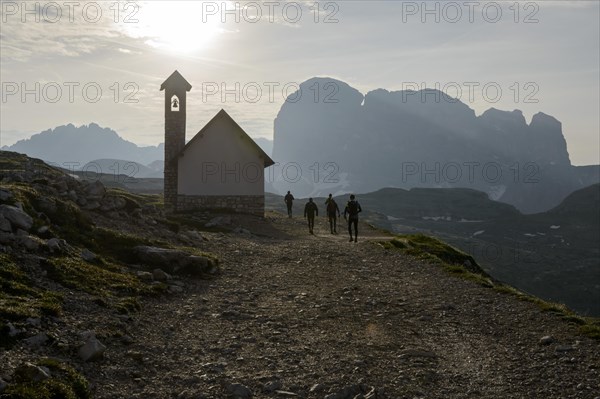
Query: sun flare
[{"x": 174, "y": 25}]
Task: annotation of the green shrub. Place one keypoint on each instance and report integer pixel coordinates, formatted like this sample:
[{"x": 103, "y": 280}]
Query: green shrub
[{"x": 65, "y": 383}]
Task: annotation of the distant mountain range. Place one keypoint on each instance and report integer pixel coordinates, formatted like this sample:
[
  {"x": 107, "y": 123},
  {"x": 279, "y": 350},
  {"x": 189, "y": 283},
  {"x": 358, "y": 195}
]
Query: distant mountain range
[
  {"x": 66, "y": 144},
  {"x": 409, "y": 139},
  {"x": 124, "y": 168},
  {"x": 92, "y": 147}
]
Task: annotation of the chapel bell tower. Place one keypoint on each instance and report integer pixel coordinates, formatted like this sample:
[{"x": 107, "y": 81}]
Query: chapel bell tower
[{"x": 176, "y": 88}]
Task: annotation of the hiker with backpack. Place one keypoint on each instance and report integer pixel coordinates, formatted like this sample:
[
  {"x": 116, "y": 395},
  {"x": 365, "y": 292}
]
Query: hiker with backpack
[
  {"x": 289, "y": 201},
  {"x": 352, "y": 210},
  {"x": 310, "y": 211},
  {"x": 333, "y": 212}
]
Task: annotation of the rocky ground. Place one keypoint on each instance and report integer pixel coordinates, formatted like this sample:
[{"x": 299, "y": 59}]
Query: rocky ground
[
  {"x": 293, "y": 315},
  {"x": 286, "y": 314}
]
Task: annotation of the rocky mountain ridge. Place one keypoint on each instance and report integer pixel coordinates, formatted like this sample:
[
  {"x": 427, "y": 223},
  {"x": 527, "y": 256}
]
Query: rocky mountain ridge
[
  {"x": 72, "y": 147},
  {"x": 407, "y": 139}
]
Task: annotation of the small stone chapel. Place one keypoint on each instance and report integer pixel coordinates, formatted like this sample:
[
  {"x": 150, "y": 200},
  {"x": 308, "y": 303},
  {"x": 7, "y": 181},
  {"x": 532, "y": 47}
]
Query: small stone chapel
[{"x": 220, "y": 168}]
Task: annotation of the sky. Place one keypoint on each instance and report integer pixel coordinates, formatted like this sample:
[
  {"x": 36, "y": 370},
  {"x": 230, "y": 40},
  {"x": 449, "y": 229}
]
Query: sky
[{"x": 103, "y": 62}]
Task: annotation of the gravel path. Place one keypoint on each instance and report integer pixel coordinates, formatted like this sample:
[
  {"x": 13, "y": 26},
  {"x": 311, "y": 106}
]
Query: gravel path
[{"x": 292, "y": 315}]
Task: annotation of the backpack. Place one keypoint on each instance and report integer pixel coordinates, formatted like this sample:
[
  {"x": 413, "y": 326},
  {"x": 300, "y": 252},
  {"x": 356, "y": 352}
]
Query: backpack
[
  {"x": 353, "y": 208},
  {"x": 331, "y": 206}
]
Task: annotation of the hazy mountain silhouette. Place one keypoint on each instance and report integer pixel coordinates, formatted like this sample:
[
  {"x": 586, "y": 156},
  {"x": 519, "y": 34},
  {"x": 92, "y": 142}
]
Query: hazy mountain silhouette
[
  {"x": 120, "y": 167},
  {"x": 66, "y": 144},
  {"x": 421, "y": 139},
  {"x": 103, "y": 146}
]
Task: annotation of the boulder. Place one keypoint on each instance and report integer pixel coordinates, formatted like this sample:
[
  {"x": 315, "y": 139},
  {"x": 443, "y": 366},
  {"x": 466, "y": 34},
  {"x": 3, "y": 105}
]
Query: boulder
[
  {"x": 111, "y": 203},
  {"x": 88, "y": 255},
  {"x": 46, "y": 205},
  {"x": 6, "y": 238},
  {"x": 92, "y": 350},
  {"x": 3, "y": 385},
  {"x": 57, "y": 245},
  {"x": 12, "y": 331},
  {"x": 17, "y": 217},
  {"x": 28, "y": 372},
  {"x": 5, "y": 195},
  {"x": 239, "y": 391},
  {"x": 95, "y": 191},
  {"x": 174, "y": 261},
  {"x": 61, "y": 186},
  {"x": 73, "y": 196},
  {"x": 159, "y": 275},
  {"x": 546, "y": 340},
  {"x": 37, "y": 340},
  {"x": 5, "y": 225},
  {"x": 144, "y": 276},
  {"x": 29, "y": 243}
]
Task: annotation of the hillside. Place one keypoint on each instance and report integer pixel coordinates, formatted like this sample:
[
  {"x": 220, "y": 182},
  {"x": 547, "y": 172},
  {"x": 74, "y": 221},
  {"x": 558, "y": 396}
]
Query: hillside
[
  {"x": 582, "y": 206},
  {"x": 128, "y": 169},
  {"x": 236, "y": 306},
  {"x": 553, "y": 255}
]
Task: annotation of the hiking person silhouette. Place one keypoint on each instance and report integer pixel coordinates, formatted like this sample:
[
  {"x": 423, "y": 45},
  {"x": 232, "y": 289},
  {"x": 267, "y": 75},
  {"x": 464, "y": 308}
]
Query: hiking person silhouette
[
  {"x": 289, "y": 201},
  {"x": 310, "y": 211},
  {"x": 352, "y": 210},
  {"x": 333, "y": 212}
]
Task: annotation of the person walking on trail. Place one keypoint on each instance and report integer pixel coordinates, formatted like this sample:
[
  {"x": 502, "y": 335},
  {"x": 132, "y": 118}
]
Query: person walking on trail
[
  {"x": 333, "y": 212},
  {"x": 352, "y": 210},
  {"x": 289, "y": 201},
  {"x": 310, "y": 211}
]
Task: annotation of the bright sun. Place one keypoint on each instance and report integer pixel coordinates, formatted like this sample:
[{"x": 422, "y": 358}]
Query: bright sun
[{"x": 174, "y": 25}]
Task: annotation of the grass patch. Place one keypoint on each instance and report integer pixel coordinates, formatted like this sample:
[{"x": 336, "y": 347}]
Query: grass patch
[
  {"x": 65, "y": 383},
  {"x": 128, "y": 305},
  {"x": 64, "y": 214},
  {"x": 421, "y": 243},
  {"x": 111, "y": 244},
  {"x": 20, "y": 298},
  {"x": 111, "y": 286},
  {"x": 461, "y": 265},
  {"x": 94, "y": 279},
  {"x": 463, "y": 273},
  {"x": 436, "y": 251},
  {"x": 588, "y": 326},
  {"x": 132, "y": 200},
  {"x": 591, "y": 329}
]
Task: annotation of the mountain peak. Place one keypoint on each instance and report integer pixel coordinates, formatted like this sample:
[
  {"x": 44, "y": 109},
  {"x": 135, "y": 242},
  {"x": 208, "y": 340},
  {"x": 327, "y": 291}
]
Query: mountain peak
[
  {"x": 71, "y": 144},
  {"x": 494, "y": 114},
  {"x": 542, "y": 119}
]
